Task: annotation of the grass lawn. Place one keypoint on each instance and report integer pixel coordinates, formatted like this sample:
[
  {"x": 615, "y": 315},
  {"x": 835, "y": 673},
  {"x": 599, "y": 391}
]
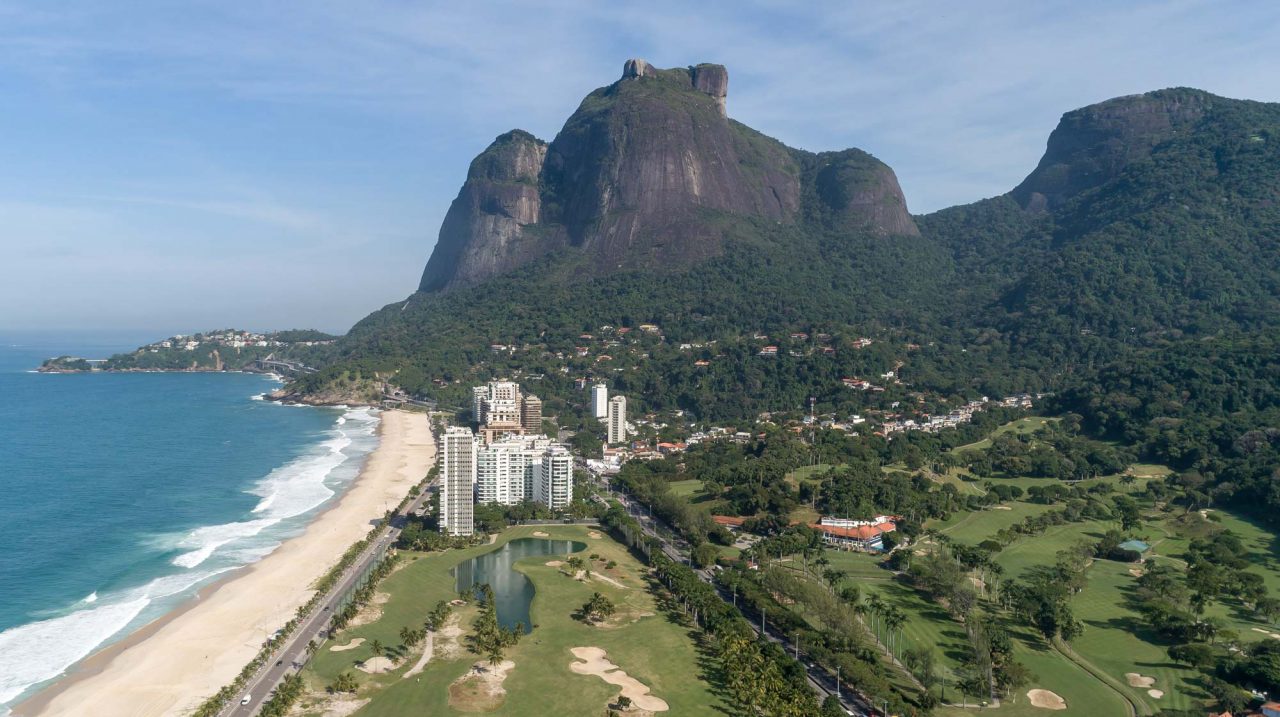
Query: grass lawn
[
  {"x": 1029, "y": 551},
  {"x": 806, "y": 474},
  {"x": 685, "y": 488},
  {"x": 1029, "y": 424},
  {"x": 973, "y": 527},
  {"x": 642, "y": 640},
  {"x": 1117, "y": 641}
]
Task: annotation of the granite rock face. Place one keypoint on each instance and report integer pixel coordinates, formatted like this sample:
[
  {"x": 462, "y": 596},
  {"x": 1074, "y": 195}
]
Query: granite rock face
[
  {"x": 483, "y": 233},
  {"x": 1093, "y": 144},
  {"x": 648, "y": 172}
]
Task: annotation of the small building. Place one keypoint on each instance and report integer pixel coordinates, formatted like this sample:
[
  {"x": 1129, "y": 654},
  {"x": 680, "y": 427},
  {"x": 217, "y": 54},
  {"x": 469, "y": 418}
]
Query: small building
[
  {"x": 732, "y": 522},
  {"x": 1139, "y": 547}
]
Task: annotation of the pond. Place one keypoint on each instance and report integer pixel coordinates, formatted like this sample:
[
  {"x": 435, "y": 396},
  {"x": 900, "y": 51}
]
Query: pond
[{"x": 512, "y": 591}]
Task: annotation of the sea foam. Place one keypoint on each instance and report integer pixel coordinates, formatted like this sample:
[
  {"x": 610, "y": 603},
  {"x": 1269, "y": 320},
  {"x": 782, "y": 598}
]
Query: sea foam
[
  {"x": 38, "y": 651},
  {"x": 35, "y": 652}
]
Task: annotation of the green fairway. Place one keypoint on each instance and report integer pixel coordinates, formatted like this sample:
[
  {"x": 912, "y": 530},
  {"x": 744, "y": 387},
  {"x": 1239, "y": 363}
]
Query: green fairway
[
  {"x": 640, "y": 639},
  {"x": 806, "y": 474},
  {"x": 685, "y": 488},
  {"x": 976, "y": 526},
  {"x": 1117, "y": 641},
  {"x": 1022, "y": 426}
]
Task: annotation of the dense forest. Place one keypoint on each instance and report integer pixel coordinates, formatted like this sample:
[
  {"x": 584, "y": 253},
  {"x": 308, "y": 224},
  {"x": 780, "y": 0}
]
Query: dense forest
[{"x": 1135, "y": 275}]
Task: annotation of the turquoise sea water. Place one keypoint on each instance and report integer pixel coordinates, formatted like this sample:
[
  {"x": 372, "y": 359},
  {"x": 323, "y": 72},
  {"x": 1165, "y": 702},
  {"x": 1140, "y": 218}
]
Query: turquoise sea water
[{"x": 121, "y": 494}]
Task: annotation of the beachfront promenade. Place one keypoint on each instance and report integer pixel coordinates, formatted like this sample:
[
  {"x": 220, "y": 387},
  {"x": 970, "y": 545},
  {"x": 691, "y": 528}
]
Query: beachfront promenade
[{"x": 292, "y": 656}]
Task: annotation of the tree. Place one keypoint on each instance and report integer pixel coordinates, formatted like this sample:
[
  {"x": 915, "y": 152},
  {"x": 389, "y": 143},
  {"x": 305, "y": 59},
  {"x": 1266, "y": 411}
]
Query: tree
[
  {"x": 344, "y": 682},
  {"x": 597, "y": 608},
  {"x": 623, "y": 702},
  {"x": 1128, "y": 512},
  {"x": 377, "y": 647}
]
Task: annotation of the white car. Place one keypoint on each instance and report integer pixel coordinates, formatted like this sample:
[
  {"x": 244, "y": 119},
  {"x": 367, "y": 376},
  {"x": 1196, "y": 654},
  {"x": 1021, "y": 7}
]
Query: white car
[{"x": 246, "y": 699}]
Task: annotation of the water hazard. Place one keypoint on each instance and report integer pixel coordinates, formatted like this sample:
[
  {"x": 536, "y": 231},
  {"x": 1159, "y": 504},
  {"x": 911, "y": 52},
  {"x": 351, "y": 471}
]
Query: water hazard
[{"x": 512, "y": 591}]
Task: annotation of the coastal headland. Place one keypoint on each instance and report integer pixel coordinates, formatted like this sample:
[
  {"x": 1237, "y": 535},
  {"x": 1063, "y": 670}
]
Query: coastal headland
[{"x": 171, "y": 666}]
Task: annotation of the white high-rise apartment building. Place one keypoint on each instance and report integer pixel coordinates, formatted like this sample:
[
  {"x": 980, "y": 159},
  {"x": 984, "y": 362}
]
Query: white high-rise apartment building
[
  {"x": 504, "y": 469},
  {"x": 457, "y": 481},
  {"x": 553, "y": 478},
  {"x": 599, "y": 401},
  {"x": 618, "y": 419},
  {"x": 505, "y": 393}
]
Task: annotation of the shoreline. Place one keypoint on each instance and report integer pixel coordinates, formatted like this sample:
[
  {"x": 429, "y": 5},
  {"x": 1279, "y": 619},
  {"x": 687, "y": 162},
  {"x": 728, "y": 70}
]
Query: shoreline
[{"x": 178, "y": 660}]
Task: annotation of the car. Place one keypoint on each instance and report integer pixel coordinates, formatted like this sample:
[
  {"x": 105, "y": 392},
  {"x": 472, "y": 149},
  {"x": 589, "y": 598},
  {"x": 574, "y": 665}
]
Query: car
[{"x": 246, "y": 700}]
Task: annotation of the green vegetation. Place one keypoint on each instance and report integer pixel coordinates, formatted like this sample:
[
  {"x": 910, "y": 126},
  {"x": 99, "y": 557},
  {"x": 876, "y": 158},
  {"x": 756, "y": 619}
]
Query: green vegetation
[{"x": 642, "y": 637}]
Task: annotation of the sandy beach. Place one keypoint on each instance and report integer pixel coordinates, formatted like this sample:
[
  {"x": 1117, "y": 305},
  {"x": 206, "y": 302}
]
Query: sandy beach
[{"x": 171, "y": 666}]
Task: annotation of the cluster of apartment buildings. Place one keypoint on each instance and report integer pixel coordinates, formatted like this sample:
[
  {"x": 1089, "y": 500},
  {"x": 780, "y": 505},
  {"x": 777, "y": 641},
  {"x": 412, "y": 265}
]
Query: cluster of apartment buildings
[
  {"x": 501, "y": 408},
  {"x": 506, "y": 461},
  {"x": 505, "y": 471}
]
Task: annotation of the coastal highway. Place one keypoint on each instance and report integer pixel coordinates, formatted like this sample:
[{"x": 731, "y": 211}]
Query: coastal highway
[
  {"x": 292, "y": 655},
  {"x": 675, "y": 549}
]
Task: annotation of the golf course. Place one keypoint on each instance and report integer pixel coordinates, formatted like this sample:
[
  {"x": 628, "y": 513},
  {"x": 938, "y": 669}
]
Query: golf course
[{"x": 564, "y": 665}]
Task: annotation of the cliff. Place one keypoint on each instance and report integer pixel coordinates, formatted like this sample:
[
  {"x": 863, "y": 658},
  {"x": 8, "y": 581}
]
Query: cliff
[{"x": 649, "y": 172}]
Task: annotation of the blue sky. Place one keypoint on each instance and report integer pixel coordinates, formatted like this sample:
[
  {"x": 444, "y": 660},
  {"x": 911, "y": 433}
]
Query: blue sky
[{"x": 269, "y": 164}]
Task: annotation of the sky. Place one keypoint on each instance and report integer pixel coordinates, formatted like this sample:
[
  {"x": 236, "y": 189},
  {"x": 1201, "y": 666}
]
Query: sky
[{"x": 186, "y": 166}]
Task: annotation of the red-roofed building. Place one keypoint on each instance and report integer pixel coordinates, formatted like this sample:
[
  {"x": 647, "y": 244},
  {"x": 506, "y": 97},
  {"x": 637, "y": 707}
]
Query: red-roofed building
[
  {"x": 732, "y": 522},
  {"x": 858, "y": 537}
]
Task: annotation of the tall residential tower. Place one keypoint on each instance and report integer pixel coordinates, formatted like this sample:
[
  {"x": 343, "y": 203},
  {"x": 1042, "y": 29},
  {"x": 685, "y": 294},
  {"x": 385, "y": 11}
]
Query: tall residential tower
[
  {"x": 457, "y": 481},
  {"x": 617, "y": 420}
]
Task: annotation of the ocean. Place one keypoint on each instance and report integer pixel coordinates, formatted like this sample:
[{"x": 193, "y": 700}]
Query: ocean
[{"x": 122, "y": 494}]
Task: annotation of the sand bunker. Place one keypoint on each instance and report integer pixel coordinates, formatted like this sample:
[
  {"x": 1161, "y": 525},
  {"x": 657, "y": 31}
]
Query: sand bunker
[
  {"x": 342, "y": 706},
  {"x": 1137, "y": 680},
  {"x": 554, "y": 563},
  {"x": 447, "y": 644},
  {"x": 1046, "y": 700},
  {"x": 594, "y": 535},
  {"x": 1137, "y": 572},
  {"x": 349, "y": 646},
  {"x": 1156, "y": 693},
  {"x": 480, "y": 690},
  {"x": 376, "y": 665},
  {"x": 1268, "y": 633},
  {"x": 540, "y": 534},
  {"x": 1001, "y": 507},
  {"x": 370, "y": 612},
  {"x": 593, "y": 662}
]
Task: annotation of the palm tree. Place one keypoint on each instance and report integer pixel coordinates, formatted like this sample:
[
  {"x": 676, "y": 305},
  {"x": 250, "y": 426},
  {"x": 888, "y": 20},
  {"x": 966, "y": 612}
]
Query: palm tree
[
  {"x": 377, "y": 647},
  {"x": 875, "y": 606},
  {"x": 894, "y": 622}
]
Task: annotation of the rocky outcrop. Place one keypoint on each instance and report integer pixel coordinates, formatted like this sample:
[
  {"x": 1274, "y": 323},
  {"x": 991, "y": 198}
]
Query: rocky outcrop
[
  {"x": 484, "y": 231},
  {"x": 1092, "y": 145},
  {"x": 648, "y": 172},
  {"x": 859, "y": 193}
]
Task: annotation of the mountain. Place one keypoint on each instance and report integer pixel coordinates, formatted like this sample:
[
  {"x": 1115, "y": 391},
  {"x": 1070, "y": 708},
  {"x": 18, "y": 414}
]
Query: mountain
[
  {"x": 1154, "y": 215},
  {"x": 1151, "y": 221},
  {"x": 649, "y": 172}
]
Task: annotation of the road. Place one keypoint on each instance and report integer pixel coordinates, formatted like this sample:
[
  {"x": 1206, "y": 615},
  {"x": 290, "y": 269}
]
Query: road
[
  {"x": 292, "y": 655},
  {"x": 823, "y": 683}
]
